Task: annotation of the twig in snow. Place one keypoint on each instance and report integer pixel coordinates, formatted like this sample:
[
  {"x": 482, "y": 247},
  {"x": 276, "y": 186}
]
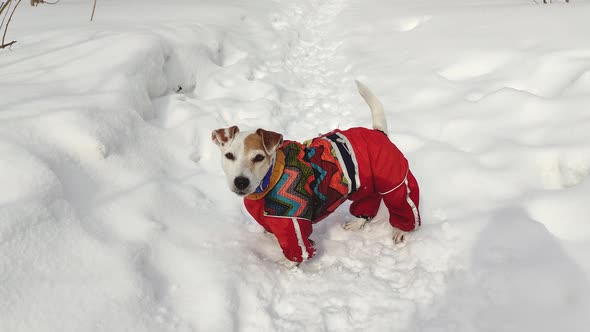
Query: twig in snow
[
  {"x": 4, "y": 6},
  {"x": 7, "y": 45},
  {"x": 35, "y": 3},
  {"x": 93, "y": 8},
  {"x": 3, "y": 45}
]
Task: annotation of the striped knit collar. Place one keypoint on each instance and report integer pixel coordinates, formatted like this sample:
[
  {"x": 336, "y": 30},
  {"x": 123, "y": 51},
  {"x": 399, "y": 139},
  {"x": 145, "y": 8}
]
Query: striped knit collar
[{"x": 274, "y": 175}]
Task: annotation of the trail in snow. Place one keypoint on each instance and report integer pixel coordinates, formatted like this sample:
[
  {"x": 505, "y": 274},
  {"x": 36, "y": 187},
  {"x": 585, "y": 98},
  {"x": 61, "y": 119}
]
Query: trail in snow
[
  {"x": 311, "y": 64},
  {"x": 351, "y": 267},
  {"x": 305, "y": 96}
]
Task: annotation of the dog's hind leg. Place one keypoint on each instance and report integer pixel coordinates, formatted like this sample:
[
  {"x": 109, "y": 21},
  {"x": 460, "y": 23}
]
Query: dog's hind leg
[{"x": 403, "y": 204}]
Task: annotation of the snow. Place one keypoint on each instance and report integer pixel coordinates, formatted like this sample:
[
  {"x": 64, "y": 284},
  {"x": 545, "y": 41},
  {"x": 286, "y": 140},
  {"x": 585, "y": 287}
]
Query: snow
[{"x": 115, "y": 214}]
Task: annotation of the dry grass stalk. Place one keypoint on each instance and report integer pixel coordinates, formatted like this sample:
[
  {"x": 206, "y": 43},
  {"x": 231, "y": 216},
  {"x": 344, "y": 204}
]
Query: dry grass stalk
[
  {"x": 3, "y": 44},
  {"x": 5, "y": 6},
  {"x": 93, "y": 8}
]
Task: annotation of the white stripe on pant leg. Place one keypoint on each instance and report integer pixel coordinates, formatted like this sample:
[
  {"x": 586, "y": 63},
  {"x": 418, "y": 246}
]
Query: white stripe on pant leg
[
  {"x": 412, "y": 205},
  {"x": 304, "y": 254}
]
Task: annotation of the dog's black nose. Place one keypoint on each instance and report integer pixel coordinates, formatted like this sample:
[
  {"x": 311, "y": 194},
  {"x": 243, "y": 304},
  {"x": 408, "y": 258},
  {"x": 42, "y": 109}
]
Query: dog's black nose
[{"x": 241, "y": 182}]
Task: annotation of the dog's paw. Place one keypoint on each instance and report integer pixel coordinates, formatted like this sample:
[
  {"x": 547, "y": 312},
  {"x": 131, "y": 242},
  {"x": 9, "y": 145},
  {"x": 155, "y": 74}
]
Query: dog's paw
[
  {"x": 355, "y": 225},
  {"x": 399, "y": 236},
  {"x": 289, "y": 265}
]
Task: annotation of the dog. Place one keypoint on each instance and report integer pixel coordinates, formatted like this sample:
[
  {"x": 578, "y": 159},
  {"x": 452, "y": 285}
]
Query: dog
[{"x": 288, "y": 186}]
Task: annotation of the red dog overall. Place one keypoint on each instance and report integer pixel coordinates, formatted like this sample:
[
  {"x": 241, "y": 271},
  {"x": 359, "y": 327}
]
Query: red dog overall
[{"x": 309, "y": 181}]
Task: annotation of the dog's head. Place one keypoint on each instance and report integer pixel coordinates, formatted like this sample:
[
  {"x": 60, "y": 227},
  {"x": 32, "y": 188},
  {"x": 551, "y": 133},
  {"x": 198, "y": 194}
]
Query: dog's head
[{"x": 246, "y": 157}]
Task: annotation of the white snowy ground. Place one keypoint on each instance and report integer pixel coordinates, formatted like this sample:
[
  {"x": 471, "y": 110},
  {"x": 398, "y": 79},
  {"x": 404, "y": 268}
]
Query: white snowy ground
[{"x": 115, "y": 216}]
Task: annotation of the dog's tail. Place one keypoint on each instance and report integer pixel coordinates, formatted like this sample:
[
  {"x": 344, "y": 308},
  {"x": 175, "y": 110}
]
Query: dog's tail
[{"x": 376, "y": 107}]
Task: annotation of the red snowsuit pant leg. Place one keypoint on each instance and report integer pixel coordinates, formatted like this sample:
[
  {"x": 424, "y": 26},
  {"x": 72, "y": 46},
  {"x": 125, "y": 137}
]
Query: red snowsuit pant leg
[
  {"x": 384, "y": 175},
  {"x": 403, "y": 204}
]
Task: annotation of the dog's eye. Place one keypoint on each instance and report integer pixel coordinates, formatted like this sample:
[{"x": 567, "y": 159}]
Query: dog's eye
[
  {"x": 230, "y": 156},
  {"x": 258, "y": 158}
]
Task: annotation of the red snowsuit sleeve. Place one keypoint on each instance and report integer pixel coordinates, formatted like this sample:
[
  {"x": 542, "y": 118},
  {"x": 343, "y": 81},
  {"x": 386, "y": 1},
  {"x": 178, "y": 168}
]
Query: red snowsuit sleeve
[{"x": 292, "y": 233}]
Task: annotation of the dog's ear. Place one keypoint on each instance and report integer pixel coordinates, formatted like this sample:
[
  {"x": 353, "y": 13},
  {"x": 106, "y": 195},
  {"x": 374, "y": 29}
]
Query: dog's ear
[
  {"x": 270, "y": 140},
  {"x": 223, "y": 136}
]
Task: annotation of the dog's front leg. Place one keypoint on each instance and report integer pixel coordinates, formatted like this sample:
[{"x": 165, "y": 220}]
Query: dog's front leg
[{"x": 355, "y": 225}]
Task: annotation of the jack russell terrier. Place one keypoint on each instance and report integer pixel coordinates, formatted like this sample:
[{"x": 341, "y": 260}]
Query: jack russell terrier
[{"x": 288, "y": 186}]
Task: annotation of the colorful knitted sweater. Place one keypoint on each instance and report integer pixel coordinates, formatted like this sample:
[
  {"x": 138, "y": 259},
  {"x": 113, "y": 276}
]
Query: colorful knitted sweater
[{"x": 308, "y": 182}]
